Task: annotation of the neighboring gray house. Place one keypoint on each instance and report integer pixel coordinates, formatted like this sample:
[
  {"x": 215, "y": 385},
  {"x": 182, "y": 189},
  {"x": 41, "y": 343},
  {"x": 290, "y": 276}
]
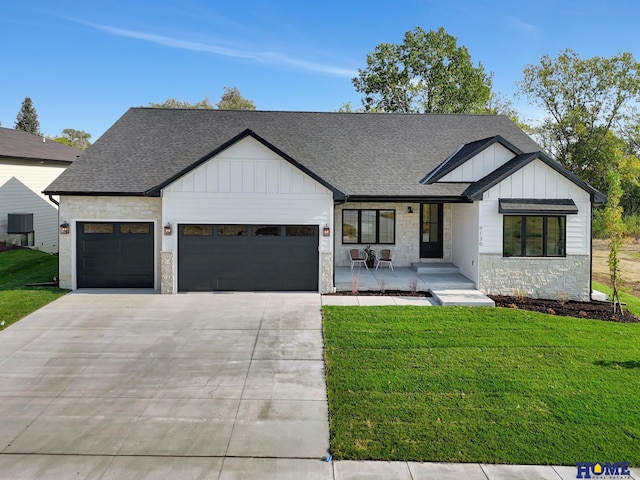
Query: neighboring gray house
[
  {"x": 183, "y": 200},
  {"x": 28, "y": 164}
]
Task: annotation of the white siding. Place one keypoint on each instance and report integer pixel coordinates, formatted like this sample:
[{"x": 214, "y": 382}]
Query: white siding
[
  {"x": 247, "y": 184},
  {"x": 22, "y": 183},
  {"x": 480, "y": 165},
  {"x": 15, "y": 197},
  {"x": 466, "y": 237},
  {"x": 536, "y": 180},
  {"x": 34, "y": 174}
]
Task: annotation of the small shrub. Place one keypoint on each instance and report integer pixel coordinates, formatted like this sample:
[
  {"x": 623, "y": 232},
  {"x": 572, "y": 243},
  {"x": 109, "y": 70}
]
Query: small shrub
[
  {"x": 413, "y": 285},
  {"x": 562, "y": 297},
  {"x": 355, "y": 281},
  {"x": 519, "y": 295}
]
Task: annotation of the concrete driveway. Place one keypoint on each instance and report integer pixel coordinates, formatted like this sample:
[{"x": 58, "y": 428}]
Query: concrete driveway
[{"x": 133, "y": 385}]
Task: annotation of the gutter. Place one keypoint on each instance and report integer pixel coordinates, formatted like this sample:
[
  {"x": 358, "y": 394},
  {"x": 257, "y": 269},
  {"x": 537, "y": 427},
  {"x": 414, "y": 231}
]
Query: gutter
[{"x": 55, "y": 202}]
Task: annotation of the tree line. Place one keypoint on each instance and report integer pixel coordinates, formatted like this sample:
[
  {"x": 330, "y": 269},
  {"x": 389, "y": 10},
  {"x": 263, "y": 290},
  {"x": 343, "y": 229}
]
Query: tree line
[{"x": 591, "y": 123}]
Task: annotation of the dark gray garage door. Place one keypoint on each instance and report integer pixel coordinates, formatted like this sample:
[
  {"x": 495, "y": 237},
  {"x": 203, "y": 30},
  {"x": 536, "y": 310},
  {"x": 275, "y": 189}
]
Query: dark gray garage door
[
  {"x": 114, "y": 255},
  {"x": 247, "y": 258}
]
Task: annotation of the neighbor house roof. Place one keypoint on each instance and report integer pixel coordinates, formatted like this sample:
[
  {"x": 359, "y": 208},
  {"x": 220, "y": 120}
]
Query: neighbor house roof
[
  {"x": 357, "y": 155},
  {"x": 21, "y": 145}
]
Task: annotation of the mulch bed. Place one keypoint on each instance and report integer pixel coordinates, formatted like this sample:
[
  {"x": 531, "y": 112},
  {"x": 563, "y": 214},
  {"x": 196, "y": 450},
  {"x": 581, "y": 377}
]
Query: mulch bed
[
  {"x": 592, "y": 310},
  {"x": 5, "y": 248},
  {"x": 377, "y": 293}
]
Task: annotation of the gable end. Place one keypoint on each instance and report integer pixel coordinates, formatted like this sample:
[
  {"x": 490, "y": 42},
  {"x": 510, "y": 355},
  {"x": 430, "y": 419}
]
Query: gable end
[{"x": 155, "y": 191}]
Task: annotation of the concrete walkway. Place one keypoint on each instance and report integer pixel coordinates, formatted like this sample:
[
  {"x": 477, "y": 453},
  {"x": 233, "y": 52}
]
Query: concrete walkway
[{"x": 114, "y": 385}]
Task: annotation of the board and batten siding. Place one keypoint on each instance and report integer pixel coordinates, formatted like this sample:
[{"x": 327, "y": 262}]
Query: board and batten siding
[
  {"x": 539, "y": 277},
  {"x": 536, "y": 180},
  {"x": 247, "y": 184},
  {"x": 480, "y": 165}
]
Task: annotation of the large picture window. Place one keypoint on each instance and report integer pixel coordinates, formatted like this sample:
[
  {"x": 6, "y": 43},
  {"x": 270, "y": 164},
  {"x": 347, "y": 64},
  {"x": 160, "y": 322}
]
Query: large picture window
[
  {"x": 534, "y": 236},
  {"x": 369, "y": 226}
]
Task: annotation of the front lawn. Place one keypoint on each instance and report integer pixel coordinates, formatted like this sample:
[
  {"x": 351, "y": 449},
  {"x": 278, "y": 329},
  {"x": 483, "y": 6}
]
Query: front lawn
[
  {"x": 494, "y": 385},
  {"x": 17, "y": 268},
  {"x": 633, "y": 303}
]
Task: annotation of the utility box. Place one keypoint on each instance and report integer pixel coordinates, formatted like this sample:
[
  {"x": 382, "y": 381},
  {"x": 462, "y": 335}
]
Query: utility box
[{"x": 19, "y": 222}]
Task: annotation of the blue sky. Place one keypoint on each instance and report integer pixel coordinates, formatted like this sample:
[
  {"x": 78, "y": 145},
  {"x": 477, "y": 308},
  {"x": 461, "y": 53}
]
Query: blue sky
[{"x": 84, "y": 63}]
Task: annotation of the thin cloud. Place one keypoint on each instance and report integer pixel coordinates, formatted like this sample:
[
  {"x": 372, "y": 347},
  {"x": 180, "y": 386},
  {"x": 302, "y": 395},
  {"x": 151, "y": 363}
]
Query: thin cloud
[
  {"x": 525, "y": 28},
  {"x": 271, "y": 58}
]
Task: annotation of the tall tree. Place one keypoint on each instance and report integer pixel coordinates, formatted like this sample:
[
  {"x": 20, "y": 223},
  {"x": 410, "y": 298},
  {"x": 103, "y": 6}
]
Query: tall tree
[
  {"x": 427, "y": 73},
  {"x": 74, "y": 138},
  {"x": 586, "y": 100},
  {"x": 232, "y": 99},
  {"x": 27, "y": 119},
  {"x": 173, "y": 103}
]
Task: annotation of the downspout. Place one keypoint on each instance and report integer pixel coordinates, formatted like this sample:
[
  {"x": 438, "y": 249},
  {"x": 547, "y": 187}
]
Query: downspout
[{"x": 55, "y": 202}]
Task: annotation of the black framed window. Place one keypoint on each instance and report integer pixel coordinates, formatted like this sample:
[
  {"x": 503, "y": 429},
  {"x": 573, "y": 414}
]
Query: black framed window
[
  {"x": 534, "y": 236},
  {"x": 369, "y": 226}
]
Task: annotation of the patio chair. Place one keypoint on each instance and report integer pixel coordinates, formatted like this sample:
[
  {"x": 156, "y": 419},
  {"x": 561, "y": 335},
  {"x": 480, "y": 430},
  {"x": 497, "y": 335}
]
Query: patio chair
[
  {"x": 359, "y": 257},
  {"x": 385, "y": 256}
]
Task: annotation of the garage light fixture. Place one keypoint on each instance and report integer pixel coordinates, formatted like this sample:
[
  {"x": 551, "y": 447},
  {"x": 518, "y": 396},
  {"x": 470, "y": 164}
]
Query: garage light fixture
[
  {"x": 326, "y": 231},
  {"x": 64, "y": 228},
  {"x": 409, "y": 209},
  {"x": 167, "y": 229}
]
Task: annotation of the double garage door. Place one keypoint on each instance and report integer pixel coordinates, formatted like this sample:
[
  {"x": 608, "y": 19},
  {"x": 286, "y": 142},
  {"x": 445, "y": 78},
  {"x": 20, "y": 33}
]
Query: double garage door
[
  {"x": 247, "y": 257},
  {"x": 210, "y": 257}
]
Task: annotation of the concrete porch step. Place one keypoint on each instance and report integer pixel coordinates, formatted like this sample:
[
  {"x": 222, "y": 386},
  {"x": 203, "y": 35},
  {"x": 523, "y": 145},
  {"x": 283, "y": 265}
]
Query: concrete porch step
[
  {"x": 461, "y": 298},
  {"x": 440, "y": 281},
  {"x": 434, "y": 268}
]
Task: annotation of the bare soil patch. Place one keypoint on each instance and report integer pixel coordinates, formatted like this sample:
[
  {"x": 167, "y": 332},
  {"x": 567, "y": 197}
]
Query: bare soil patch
[
  {"x": 591, "y": 310},
  {"x": 629, "y": 263}
]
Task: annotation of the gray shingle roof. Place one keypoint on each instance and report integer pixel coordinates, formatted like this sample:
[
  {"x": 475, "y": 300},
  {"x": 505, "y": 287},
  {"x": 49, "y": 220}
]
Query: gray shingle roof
[
  {"x": 22, "y": 145},
  {"x": 358, "y": 154}
]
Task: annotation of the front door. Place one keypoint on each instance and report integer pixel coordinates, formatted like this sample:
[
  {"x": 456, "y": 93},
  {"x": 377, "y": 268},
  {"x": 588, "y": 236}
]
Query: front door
[{"x": 431, "y": 230}]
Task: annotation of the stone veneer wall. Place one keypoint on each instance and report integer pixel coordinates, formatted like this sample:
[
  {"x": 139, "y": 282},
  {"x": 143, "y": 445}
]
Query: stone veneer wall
[
  {"x": 551, "y": 278},
  {"x": 102, "y": 208},
  {"x": 407, "y": 246},
  {"x": 326, "y": 272}
]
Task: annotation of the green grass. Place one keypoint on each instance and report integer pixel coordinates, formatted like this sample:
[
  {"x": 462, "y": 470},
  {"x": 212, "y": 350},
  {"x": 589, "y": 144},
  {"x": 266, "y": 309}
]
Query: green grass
[
  {"x": 633, "y": 303},
  {"x": 17, "y": 268},
  {"x": 453, "y": 384}
]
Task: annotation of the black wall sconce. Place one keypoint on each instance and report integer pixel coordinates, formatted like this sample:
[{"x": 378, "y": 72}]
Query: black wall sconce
[
  {"x": 326, "y": 231},
  {"x": 64, "y": 228},
  {"x": 168, "y": 230},
  {"x": 409, "y": 209}
]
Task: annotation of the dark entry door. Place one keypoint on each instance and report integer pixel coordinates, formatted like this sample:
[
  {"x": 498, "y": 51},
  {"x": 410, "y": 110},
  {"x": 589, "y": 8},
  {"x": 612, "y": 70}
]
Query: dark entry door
[
  {"x": 431, "y": 230},
  {"x": 248, "y": 257},
  {"x": 114, "y": 254}
]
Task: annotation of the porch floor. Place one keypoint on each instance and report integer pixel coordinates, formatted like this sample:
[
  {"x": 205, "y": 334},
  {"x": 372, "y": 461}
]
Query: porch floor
[{"x": 447, "y": 288}]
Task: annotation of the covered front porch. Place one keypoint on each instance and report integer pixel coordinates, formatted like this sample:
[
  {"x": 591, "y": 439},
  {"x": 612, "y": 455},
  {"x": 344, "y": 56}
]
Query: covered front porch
[{"x": 443, "y": 280}]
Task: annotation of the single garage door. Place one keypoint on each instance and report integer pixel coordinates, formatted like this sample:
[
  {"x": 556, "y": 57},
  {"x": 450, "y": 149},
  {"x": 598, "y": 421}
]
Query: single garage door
[
  {"x": 114, "y": 255},
  {"x": 247, "y": 257}
]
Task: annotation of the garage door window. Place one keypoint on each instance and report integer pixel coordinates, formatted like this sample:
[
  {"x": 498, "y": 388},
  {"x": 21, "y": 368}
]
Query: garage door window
[
  {"x": 263, "y": 231},
  {"x": 232, "y": 230},
  {"x": 198, "y": 230},
  {"x": 300, "y": 231},
  {"x": 98, "y": 228},
  {"x": 140, "y": 228}
]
